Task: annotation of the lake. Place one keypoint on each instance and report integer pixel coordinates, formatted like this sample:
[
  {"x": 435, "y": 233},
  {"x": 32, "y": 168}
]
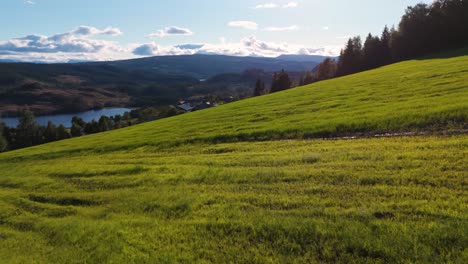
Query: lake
[{"x": 65, "y": 119}]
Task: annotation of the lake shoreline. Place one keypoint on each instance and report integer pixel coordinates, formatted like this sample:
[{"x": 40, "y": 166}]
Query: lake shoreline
[{"x": 65, "y": 118}]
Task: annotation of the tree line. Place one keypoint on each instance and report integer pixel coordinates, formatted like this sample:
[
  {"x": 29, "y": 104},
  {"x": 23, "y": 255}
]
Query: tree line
[
  {"x": 29, "y": 133},
  {"x": 280, "y": 82},
  {"x": 424, "y": 29}
]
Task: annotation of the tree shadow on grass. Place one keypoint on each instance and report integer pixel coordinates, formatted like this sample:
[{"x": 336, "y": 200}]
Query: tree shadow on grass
[{"x": 446, "y": 54}]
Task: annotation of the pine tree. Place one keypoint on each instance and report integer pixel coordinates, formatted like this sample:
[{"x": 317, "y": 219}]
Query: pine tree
[
  {"x": 259, "y": 88},
  {"x": 50, "y": 133},
  {"x": 3, "y": 141},
  {"x": 307, "y": 78},
  {"x": 91, "y": 127},
  {"x": 105, "y": 124},
  {"x": 371, "y": 53},
  {"x": 414, "y": 32},
  {"x": 62, "y": 133},
  {"x": 351, "y": 57},
  {"x": 385, "y": 57},
  {"x": 27, "y": 131},
  {"x": 281, "y": 82},
  {"x": 326, "y": 69},
  {"x": 77, "y": 128}
]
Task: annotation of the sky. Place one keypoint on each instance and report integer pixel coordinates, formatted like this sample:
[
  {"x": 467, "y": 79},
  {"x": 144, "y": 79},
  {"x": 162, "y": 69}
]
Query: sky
[{"x": 71, "y": 30}]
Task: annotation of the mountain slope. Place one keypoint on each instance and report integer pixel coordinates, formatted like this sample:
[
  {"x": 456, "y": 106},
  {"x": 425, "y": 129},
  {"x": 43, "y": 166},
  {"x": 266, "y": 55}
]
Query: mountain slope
[
  {"x": 188, "y": 189},
  {"x": 206, "y": 66},
  {"x": 304, "y": 58}
]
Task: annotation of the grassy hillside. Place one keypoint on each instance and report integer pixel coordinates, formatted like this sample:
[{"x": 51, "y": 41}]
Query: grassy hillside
[
  {"x": 387, "y": 200},
  {"x": 216, "y": 185},
  {"x": 427, "y": 95}
]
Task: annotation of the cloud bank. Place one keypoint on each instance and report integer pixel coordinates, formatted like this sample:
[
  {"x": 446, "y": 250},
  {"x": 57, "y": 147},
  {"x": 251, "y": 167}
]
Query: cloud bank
[
  {"x": 250, "y": 25},
  {"x": 291, "y": 5},
  {"x": 86, "y": 43},
  {"x": 275, "y": 5},
  {"x": 250, "y": 46},
  {"x": 266, "y": 6},
  {"x": 77, "y": 43},
  {"x": 244, "y": 24},
  {"x": 74, "y": 41},
  {"x": 276, "y": 29},
  {"x": 89, "y": 31},
  {"x": 171, "y": 31}
]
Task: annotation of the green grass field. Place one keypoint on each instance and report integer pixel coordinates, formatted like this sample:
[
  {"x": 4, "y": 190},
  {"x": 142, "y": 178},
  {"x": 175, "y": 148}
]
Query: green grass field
[{"x": 249, "y": 182}]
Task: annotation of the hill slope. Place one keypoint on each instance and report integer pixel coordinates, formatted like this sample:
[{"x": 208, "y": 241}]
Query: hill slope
[
  {"x": 163, "y": 192},
  {"x": 206, "y": 66},
  {"x": 409, "y": 96}
]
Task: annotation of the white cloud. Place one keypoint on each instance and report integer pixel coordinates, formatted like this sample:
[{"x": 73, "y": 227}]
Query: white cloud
[
  {"x": 153, "y": 49},
  {"x": 249, "y": 46},
  {"x": 291, "y": 5},
  {"x": 266, "y": 6},
  {"x": 244, "y": 24},
  {"x": 29, "y": 2},
  {"x": 76, "y": 43},
  {"x": 325, "y": 28},
  {"x": 61, "y": 57},
  {"x": 89, "y": 31},
  {"x": 171, "y": 31},
  {"x": 330, "y": 51},
  {"x": 344, "y": 37},
  {"x": 274, "y": 5},
  {"x": 290, "y": 28},
  {"x": 80, "y": 45}
]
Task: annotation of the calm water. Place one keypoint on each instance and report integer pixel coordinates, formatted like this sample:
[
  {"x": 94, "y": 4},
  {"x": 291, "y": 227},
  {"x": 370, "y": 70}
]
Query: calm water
[{"x": 66, "y": 119}]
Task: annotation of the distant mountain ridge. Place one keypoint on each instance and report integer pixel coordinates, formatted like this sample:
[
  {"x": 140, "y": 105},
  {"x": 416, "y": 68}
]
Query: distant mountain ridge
[
  {"x": 304, "y": 58},
  {"x": 289, "y": 58},
  {"x": 205, "y": 66}
]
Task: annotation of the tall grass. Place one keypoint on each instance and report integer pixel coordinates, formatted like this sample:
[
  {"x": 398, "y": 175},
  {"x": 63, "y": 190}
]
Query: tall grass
[
  {"x": 367, "y": 200},
  {"x": 243, "y": 183}
]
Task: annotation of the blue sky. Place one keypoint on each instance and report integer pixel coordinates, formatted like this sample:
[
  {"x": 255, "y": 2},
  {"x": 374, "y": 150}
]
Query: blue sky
[{"x": 59, "y": 30}]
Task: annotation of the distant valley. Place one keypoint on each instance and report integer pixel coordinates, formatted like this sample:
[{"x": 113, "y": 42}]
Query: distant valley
[{"x": 72, "y": 87}]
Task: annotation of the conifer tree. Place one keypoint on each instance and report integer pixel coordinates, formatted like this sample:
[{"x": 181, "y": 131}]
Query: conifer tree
[
  {"x": 281, "y": 82},
  {"x": 326, "y": 69},
  {"x": 3, "y": 141},
  {"x": 371, "y": 53},
  {"x": 50, "y": 133},
  {"x": 77, "y": 128},
  {"x": 307, "y": 78},
  {"x": 62, "y": 133},
  {"x": 27, "y": 133},
  {"x": 351, "y": 57},
  {"x": 385, "y": 57},
  {"x": 259, "y": 88}
]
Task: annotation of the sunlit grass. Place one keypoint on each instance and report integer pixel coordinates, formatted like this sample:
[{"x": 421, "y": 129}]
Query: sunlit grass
[
  {"x": 427, "y": 95},
  {"x": 307, "y": 201},
  {"x": 239, "y": 183}
]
